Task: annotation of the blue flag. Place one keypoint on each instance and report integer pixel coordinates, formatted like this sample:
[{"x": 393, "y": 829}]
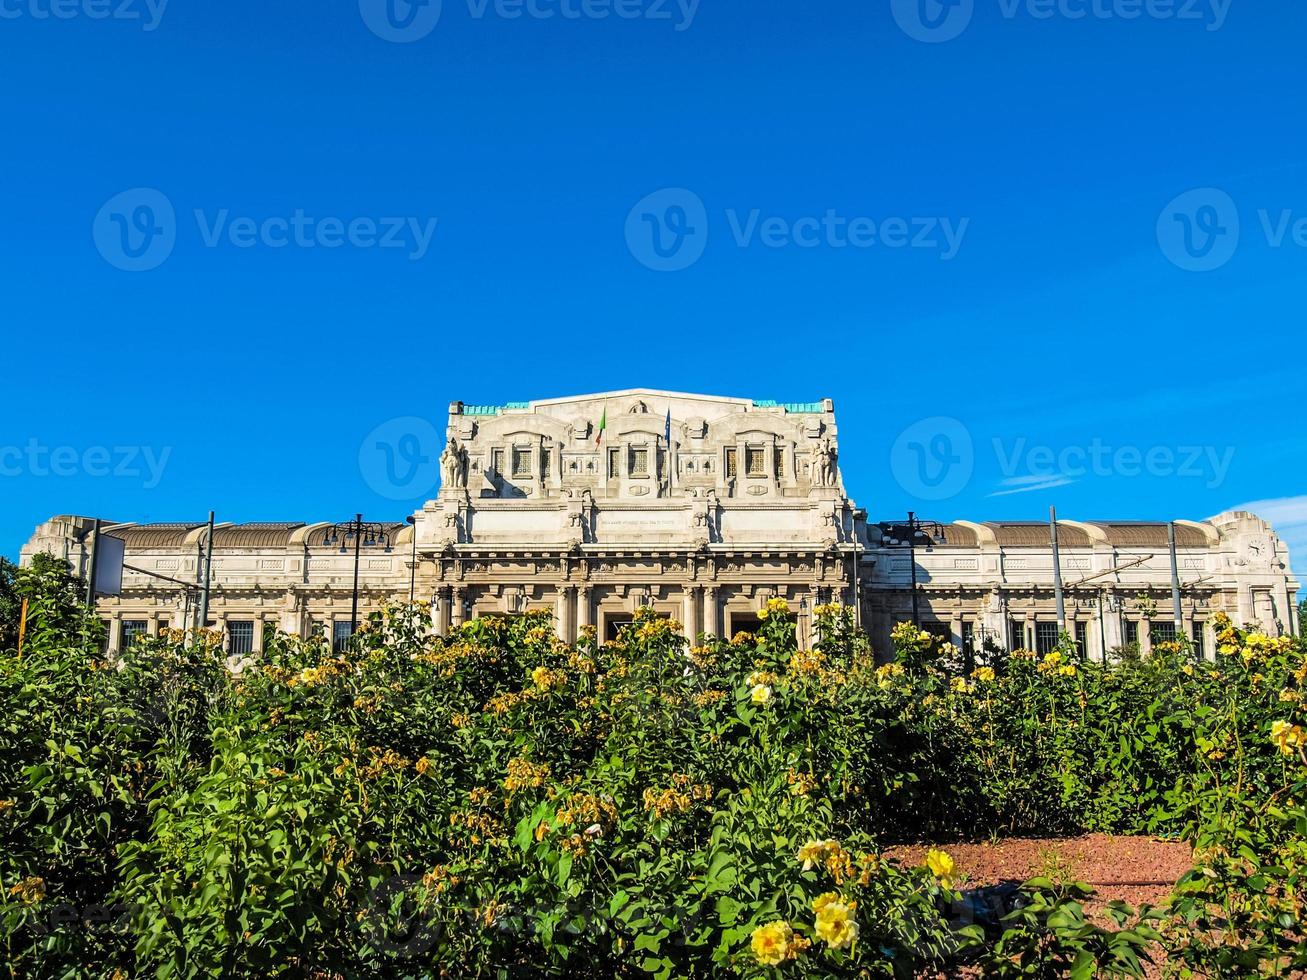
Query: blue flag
[{"x": 667, "y": 428}]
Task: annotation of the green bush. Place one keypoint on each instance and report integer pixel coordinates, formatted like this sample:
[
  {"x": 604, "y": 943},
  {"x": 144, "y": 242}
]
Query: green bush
[{"x": 498, "y": 803}]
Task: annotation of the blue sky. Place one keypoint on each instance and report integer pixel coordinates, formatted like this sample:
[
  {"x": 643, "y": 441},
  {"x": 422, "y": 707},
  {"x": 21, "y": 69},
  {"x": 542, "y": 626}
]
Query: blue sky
[{"x": 970, "y": 226}]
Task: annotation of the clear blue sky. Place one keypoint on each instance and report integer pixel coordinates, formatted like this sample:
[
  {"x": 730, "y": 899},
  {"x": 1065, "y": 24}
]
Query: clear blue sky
[{"x": 1053, "y": 147}]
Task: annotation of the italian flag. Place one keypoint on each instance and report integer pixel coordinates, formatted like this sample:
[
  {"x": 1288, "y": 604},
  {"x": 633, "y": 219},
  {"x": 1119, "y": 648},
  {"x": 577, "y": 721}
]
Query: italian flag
[{"x": 603, "y": 424}]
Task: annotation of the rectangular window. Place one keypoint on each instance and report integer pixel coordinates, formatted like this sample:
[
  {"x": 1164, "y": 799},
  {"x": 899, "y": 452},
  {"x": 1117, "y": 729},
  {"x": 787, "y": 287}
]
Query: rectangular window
[
  {"x": 969, "y": 637},
  {"x": 340, "y": 634},
  {"x": 754, "y": 461},
  {"x": 730, "y": 463},
  {"x": 130, "y": 630},
  {"x": 164, "y": 624},
  {"x": 241, "y": 632},
  {"x": 1198, "y": 639},
  {"x": 1163, "y": 632},
  {"x": 639, "y": 461},
  {"x": 614, "y": 464},
  {"x": 1016, "y": 632},
  {"x": 521, "y": 462},
  {"x": 1131, "y": 631},
  {"x": 1082, "y": 638},
  {"x": 1045, "y": 637},
  {"x": 943, "y": 632},
  {"x": 546, "y": 457}
]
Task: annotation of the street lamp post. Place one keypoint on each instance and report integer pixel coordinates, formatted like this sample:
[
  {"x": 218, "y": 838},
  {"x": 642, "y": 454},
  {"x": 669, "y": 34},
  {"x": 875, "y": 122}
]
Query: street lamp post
[
  {"x": 909, "y": 533},
  {"x": 362, "y": 533},
  {"x": 413, "y": 565}
]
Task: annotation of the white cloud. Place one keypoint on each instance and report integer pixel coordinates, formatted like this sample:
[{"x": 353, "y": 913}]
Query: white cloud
[{"x": 1024, "y": 484}]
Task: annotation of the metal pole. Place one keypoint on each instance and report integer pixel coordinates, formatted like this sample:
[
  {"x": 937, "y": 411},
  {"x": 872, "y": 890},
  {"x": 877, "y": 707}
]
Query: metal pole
[
  {"x": 1057, "y": 573},
  {"x": 413, "y": 568},
  {"x": 1102, "y": 627},
  {"x": 208, "y": 569},
  {"x": 857, "y": 604},
  {"x": 912, "y": 566},
  {"x": 1175, "y": 581},
  {"x": 354, "y": 602},
  {"x": 90, "y": 577}
]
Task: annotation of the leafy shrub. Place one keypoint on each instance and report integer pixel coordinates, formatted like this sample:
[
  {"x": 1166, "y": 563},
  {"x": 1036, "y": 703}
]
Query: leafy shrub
[{"x": 499, "y": 803}]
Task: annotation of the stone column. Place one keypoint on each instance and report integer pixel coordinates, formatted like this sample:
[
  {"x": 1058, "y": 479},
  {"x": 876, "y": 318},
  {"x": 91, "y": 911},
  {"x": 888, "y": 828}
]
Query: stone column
[
  {"x": 711, "y": 611},
  {"x": 459, "y": 595},
  {"x": 691, "y": 605},
  {"x": 564, "y": 611},
  {"x": 1247, "y": 610},
  {"x": 1145, "y": 636},
  {"x": 584, "y": 607},
  {"x": 1113, "y": 631}
]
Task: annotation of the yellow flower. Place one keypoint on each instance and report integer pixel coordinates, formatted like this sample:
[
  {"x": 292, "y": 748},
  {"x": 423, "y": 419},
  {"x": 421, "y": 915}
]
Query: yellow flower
[
  {"x": 941, "y": 866},
  {"x": 983, "y": 674},
  {"x": 1288, "y": 736},
  {"x": 835, "y": 923},
  {"x": 540, "y": 677},
  {"x": 776, "y": 942},
  {"x": 29, "y": 891},
  {"x": 961, "y": 686},
  {"x": 760, "y": 694},
  {"x": 1067, "y": 670}
]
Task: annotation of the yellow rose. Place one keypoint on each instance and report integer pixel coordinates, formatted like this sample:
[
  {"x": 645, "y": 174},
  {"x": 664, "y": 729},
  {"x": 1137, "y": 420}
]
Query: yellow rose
[
  {"x": 760, "y": 694},
  {"x": 835, "y": 923},
  {"x": 775, "y": 943},
  {"x": 1287, "y": 736},
  {"x": 941, "y": 866}
]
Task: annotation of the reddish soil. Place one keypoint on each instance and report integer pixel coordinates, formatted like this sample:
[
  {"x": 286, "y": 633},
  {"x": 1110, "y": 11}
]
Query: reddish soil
[{"x": 1136, "y": 870}]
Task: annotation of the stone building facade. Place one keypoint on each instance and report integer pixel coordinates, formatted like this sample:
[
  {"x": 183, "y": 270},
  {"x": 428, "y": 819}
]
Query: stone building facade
[{"x": 702, "y": 508}]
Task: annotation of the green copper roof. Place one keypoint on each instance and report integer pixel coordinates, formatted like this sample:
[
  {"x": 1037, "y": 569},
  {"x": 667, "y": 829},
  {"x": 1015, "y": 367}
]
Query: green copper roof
[{"x": 794, "y": 408}]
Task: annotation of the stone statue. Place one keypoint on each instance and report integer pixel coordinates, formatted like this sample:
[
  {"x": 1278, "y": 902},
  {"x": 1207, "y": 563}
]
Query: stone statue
[
  {"x": 453, "y": 465},
  {"x": 823, "y": 464}
]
